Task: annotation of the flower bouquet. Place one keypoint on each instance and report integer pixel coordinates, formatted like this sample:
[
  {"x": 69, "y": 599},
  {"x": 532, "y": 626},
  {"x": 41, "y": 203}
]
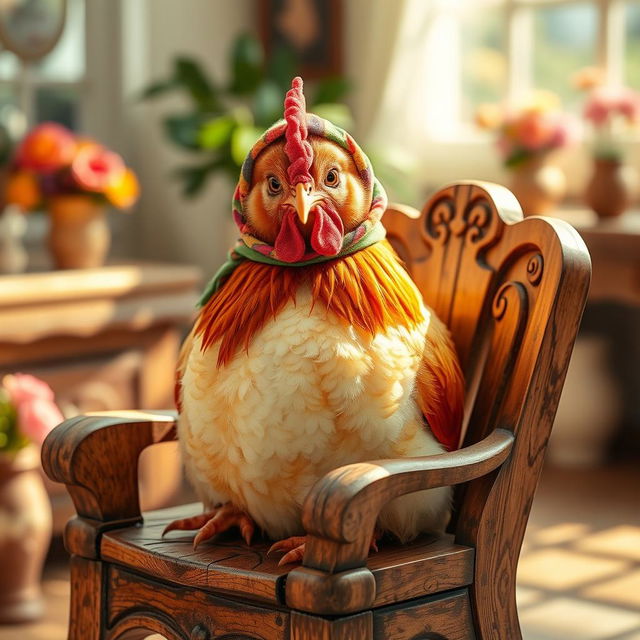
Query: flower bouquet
[
  {"x": 611, "y": 112},
  {"x": 27, "y": 412},
  {"x": 75, "y": 179},
  {"x": 527, "y": 136},
  {"x": 27, "y": 415}
]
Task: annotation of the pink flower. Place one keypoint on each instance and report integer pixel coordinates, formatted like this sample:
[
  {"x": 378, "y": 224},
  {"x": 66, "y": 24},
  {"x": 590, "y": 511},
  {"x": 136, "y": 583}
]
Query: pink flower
[
  {"x": 34, "y": 403},
  {"x": 95, "y": 168},
  {"x": 607, "y": 101},
  {"x": 629, "y": 104},
  {"x": 46, "y": 148},
  {"x": 37, "y": 418}
]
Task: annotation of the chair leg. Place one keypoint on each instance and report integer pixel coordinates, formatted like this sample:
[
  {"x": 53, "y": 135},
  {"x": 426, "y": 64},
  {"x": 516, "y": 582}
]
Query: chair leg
[
  {"x": 495, "y": 610},
  {"x": 309, "y": 627},
  {"x": 85, "y": 615}
]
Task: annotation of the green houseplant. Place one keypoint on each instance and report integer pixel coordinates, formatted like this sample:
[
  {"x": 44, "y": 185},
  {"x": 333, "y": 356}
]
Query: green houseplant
[{"x": 223, "y": 120}]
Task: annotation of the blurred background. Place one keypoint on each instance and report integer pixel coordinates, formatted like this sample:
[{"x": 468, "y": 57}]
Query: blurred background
[{"x": 116, "y": 214}]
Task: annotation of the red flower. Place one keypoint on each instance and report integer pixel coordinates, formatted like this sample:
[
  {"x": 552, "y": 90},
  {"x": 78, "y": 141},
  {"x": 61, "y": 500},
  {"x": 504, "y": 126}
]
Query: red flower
[
  {"x": 46, "y": 148},
  {"x": 95, "y": 168}
]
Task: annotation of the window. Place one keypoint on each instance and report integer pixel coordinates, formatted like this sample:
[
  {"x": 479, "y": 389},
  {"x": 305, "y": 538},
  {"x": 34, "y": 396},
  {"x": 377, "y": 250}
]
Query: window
[
  {"x": 467, "y": 52},
  {"x": 52, "y": 88},
  {"x": 509, "y": 47}
]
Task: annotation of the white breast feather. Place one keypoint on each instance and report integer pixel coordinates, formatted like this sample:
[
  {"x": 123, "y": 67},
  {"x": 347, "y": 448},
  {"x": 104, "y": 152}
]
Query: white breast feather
[{"x": 310, "y": 395}]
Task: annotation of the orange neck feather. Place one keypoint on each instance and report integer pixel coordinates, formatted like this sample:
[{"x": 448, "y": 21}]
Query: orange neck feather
[{"x": 368, "y": 289}]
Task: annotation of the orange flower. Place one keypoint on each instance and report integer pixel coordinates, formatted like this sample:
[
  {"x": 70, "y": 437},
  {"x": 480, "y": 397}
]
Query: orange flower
[
  {"x": 94, "y": 168},
  {"x": 588, "y": 78},
  {"x": 124, "y": 192},
  {"x": 46, "y": 148},
  {"x": 23, "y": 190}
]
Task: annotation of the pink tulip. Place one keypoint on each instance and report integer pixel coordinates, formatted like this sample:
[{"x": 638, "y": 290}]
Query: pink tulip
[{"x": 34, "y": 402}]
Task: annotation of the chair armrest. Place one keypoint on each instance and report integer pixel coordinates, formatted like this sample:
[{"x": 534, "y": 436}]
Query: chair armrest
[
  {"x": 342, "y": 507},
  {"x": 96, "y": 456}
]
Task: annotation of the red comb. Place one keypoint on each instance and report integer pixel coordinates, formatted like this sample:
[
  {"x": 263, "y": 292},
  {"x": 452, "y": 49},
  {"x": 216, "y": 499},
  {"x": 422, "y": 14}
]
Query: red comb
[{"x": 297, "y": 147}]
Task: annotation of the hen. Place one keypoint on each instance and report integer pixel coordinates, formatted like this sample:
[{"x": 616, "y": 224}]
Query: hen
[{"x": 313, "y": 348}]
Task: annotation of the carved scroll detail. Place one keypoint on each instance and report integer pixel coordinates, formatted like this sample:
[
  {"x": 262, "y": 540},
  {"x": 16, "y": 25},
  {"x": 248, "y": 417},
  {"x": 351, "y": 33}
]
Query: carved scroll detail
[
  {"x": 535, "y": 267},
  {"x": 474, "y": 220},
  {"x": 500, "y": 303},
  {"x": 477, "y": 217},
  {"x": 438, "y": 221}
]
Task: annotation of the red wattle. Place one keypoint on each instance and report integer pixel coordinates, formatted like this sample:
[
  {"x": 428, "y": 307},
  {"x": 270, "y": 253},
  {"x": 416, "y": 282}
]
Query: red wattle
[
  {"x": 328, "y": 231},
  {"x": 289, "y": 244}
]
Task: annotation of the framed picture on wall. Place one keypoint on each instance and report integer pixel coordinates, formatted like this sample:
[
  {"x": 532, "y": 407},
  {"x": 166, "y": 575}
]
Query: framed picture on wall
[
  {"x": 31, "y": 28},
  {"x": 312, "y": 29}
]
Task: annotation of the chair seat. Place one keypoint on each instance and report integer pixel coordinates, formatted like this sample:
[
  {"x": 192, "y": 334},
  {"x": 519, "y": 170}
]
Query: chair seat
[{"x": 228, "y": 566}]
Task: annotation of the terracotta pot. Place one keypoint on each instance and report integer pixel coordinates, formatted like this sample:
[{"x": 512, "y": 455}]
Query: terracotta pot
[
  {"x": 610, "y": 187},
  {"x": 79, "y": 236},
  {"x": 25, "y": 533},
  {"x": 538, "y": 185}
]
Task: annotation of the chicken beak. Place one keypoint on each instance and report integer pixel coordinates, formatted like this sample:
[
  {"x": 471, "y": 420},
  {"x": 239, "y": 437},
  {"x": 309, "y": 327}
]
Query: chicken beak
[{"x": 303, "y": 201}]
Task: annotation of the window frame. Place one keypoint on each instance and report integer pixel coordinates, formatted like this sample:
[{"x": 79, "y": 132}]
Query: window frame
[
  {"x": 98, "y": 85},
  {"x": 470, "y": 153},
  {"x": 610, "y": 45}
]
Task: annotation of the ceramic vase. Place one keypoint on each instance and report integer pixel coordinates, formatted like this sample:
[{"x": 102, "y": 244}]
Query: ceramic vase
[
  {"x": 538, "y": 184},
  {"x": 610, "y": 188},
  {"x": 25, "y": 533},
  {"x": 79, "y": 236}
]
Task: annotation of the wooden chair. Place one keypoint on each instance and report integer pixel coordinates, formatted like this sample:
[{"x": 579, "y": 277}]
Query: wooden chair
[{"x": 512, "y": 291}]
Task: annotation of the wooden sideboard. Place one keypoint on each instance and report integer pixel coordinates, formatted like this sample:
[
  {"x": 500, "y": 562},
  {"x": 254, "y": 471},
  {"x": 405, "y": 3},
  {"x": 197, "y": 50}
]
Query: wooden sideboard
[
  {"x": 104, "y": 339},
  {"x": 614, "y": 245}
]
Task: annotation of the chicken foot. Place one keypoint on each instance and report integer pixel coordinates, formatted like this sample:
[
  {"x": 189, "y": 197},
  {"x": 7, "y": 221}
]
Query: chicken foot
[{"x": 218, "y": 520}]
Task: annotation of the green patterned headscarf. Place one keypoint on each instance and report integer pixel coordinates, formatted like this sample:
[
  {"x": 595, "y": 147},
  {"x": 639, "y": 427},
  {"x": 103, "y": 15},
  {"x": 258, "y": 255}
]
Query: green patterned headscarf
[{"x": 249, "y": 247}]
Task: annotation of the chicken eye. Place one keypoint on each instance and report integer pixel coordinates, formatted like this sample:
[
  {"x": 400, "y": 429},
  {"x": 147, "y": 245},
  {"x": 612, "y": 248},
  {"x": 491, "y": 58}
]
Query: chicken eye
[
  {"x": 274, "y": 185},
  {"x": 333, "y": 178}
]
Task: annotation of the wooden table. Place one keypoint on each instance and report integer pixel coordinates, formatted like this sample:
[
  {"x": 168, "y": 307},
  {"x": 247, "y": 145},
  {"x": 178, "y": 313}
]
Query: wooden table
[
  {"x": 104, "y": 339},
  {"x": 614, "y": 245}
]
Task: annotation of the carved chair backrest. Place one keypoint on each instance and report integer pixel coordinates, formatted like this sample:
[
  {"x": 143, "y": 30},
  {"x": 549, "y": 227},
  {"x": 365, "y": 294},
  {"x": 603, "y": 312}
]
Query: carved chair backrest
[{"x": 512, "y": 291}]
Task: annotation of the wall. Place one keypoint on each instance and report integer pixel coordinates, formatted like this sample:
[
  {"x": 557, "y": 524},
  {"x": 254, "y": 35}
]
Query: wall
[
  {"x": 199, "y": 231},
  {"x": 153, "y": 33}
]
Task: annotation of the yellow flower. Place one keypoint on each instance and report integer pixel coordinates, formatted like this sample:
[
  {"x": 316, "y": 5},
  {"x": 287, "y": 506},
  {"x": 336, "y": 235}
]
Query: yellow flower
[
  {"x": 125, "y": 191},
  {"x": 488, "y": 116},
  {"x": 23, "y": 190}
]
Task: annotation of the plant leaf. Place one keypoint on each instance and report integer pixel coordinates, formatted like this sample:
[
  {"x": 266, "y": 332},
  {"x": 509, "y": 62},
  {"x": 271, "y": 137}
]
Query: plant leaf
[
  {"x": 331, "y": 89},
  {"x": 247, "y": 61},
  {"x": 281, "y": 67},
  {"x": 242, "y": 140},
  {"x": 215, "y": 133},
  {"x": 267, "y": 103},
  {"x": 190, "y": 75},
  {"x": 184, "y": 130},
  {"x": 193, "y": 178},
  {"x": 157, "y": 88}
]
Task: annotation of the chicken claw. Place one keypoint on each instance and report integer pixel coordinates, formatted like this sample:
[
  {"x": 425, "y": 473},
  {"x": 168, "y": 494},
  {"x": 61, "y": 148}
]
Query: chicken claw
[
  {"x": 220, "y": 519},
  {"x": 295, "y": 545}
]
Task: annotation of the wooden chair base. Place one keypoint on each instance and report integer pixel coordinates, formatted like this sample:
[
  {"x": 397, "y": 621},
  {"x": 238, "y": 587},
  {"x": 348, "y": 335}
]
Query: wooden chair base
[{"x": 205, "y": 593}]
